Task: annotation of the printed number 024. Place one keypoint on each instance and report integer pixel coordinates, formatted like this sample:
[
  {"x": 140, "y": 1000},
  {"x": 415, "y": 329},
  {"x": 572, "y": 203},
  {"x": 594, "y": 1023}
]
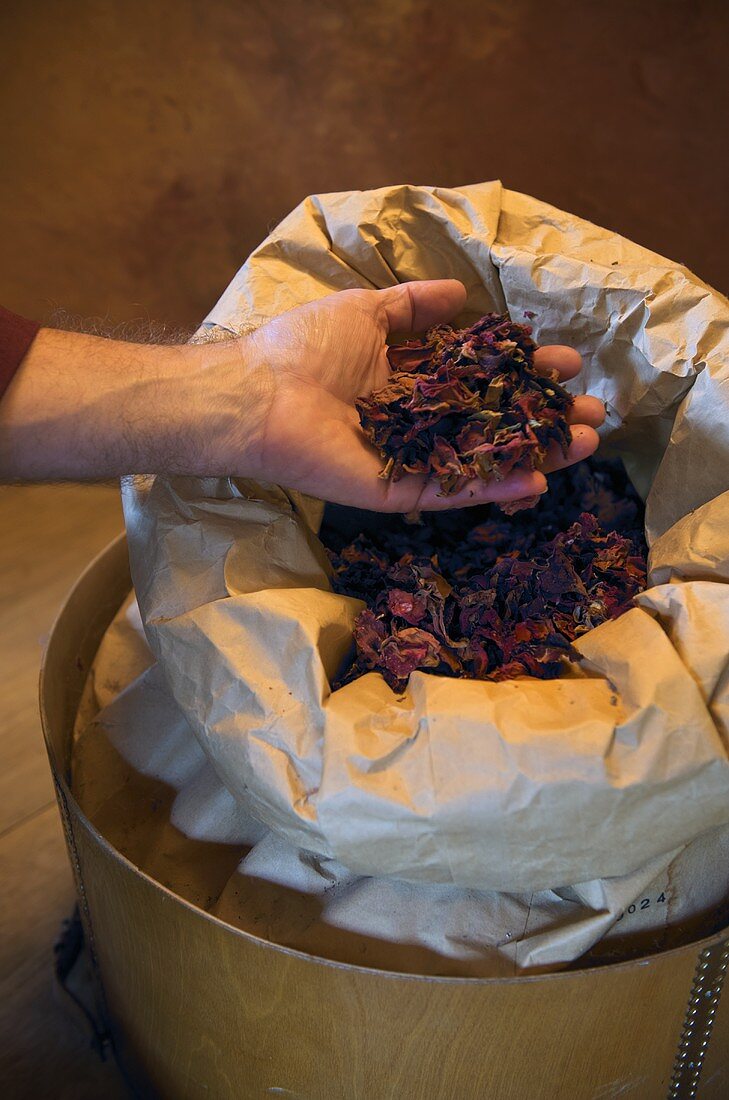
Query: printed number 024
[{"x": 644, "y": 903}]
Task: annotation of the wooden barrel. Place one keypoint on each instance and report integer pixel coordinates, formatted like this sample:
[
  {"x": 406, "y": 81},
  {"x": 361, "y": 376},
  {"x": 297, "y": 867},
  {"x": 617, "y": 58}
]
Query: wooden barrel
[{"x": 197, "y": 1008}]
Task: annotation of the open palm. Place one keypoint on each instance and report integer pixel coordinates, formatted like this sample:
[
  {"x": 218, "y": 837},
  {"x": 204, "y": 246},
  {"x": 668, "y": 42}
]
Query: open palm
[{"x": 315, "y": 360}]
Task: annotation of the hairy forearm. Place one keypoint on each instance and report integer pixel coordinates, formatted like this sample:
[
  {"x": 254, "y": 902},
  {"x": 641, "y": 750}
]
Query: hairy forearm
[{"x": 82, "y": 407}]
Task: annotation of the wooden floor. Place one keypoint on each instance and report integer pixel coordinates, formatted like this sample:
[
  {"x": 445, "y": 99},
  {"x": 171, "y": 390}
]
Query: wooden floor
[{"x": 47, "y": 535}]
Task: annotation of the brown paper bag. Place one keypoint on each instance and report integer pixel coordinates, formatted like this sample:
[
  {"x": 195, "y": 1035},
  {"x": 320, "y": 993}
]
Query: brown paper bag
[{"x": 520, "y": 786}]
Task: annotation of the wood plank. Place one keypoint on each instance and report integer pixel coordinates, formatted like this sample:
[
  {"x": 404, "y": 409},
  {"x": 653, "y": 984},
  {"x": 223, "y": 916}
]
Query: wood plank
[
  {"x": 42, "y": 1052},
  {"x": 49, "y": 534}
]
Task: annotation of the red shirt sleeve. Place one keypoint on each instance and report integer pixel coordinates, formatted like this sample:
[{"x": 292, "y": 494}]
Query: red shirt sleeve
[{"x": 16, "y": 336}]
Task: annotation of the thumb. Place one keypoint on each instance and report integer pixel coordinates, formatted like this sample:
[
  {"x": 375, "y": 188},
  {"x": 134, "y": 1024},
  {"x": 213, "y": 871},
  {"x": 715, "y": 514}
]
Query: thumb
[{"x": 414, "y": 307}]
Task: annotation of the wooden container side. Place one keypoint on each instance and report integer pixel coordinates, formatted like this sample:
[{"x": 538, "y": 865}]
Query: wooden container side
[{"x": 200, "y": 1009}]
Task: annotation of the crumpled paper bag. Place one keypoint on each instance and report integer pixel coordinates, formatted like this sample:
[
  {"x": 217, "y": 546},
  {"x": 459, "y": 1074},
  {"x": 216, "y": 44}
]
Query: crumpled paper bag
[
  {"x": 141, "y": 777},
  {"x": 512, "y": 787}
]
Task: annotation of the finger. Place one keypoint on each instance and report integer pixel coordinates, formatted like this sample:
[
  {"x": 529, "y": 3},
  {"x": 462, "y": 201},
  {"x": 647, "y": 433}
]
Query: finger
[
  {"x": 585, "y": 441},
  {"x": 424, "y": 494},
  {"x": 414, "y": 307},
  {"x": 587, "y": 410},
  {"x": 517, "y": 486},
  {"x": 566, "y": 361}
]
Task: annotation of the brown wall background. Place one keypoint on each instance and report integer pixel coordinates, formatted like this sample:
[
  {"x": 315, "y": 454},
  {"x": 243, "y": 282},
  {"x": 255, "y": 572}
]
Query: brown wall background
[{"x": 149, "y": 146}]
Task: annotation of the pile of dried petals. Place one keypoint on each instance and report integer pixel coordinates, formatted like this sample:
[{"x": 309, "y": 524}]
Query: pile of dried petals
[
  {"x": 466, "y": 403},
  {"x": 473, "y": 593}
]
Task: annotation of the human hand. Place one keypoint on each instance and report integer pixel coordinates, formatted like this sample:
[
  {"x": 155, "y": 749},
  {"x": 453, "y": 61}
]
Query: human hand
[{"x": 307, "y": 367}]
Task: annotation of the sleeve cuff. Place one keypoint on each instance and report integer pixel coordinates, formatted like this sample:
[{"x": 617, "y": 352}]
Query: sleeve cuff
[{"x": 16, "y": 335}]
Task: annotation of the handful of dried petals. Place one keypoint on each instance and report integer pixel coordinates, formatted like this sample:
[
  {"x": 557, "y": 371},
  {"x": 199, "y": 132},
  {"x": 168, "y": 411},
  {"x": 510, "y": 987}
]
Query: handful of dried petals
[{"x": 466, "y": 403}]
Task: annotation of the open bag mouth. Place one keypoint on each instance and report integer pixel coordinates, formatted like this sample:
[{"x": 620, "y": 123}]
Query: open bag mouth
[{"x": 478, "y": 594}]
